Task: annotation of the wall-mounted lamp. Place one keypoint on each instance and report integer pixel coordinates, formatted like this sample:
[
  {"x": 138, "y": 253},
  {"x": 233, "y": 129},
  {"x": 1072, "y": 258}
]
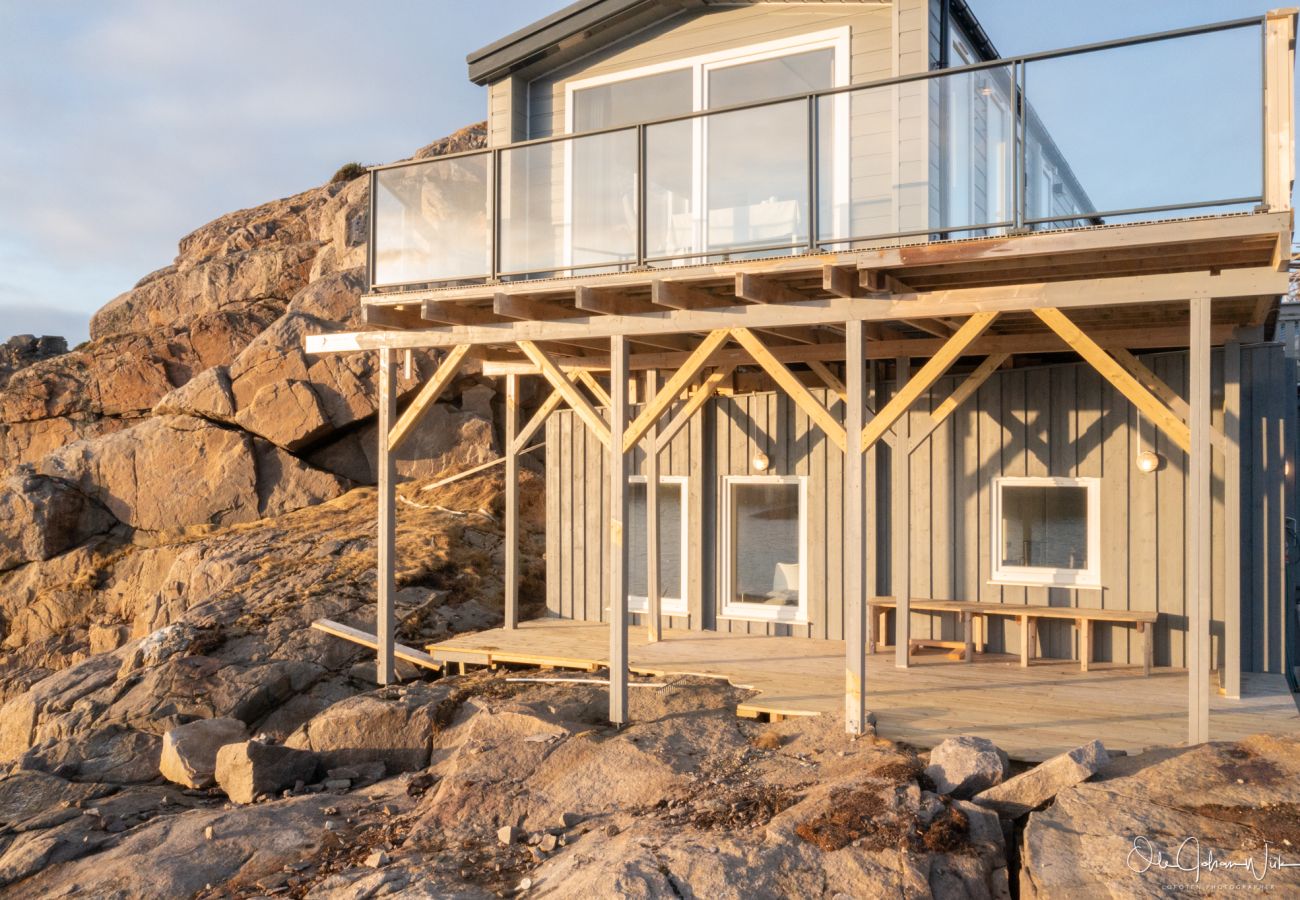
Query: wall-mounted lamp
[
  {"x": 1148, "y": 461},
  {"x": 760, "y": 461}
]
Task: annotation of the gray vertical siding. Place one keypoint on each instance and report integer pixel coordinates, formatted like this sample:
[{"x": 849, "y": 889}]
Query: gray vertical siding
[{"x": 1060, "y": 420}]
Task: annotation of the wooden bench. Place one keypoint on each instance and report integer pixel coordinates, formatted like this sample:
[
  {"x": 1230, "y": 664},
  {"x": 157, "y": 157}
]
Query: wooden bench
[{"x": 972, "y": 614}]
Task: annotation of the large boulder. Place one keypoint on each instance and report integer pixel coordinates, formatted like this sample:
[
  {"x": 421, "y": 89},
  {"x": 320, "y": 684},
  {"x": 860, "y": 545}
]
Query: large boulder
[
  {"x": 1030, "y": 790},
  {"x": 251, "y": 769},
  {"x": 963, "y": 766},
  {"x": 393, "y": 725},
  {"x": 189, "y": 752},
  {"x": 173, "y": 472},
  {"x": 42, "y": 517},
  {"x": 25, "y": 349}
]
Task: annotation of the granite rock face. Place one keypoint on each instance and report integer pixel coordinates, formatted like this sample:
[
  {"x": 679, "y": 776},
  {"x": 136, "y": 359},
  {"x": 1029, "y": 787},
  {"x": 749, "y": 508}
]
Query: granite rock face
[
  {"x": 963, "y": 766},
  {"x": 189, "y": 752},
  {"x": 1030, "y": 790},
  {"x": 251, "y": 769}
]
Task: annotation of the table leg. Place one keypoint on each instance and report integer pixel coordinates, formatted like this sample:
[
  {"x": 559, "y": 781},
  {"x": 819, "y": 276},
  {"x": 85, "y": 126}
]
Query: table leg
[
  {"x": 1148, "y": 649},
  {"x": 968, "y": 634},
  {"x": 1085, "y": 643}
]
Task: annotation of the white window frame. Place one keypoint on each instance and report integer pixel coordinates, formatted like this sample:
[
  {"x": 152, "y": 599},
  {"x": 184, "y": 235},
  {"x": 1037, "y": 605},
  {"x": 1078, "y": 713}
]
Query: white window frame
[
  {"x": 1036, "y": 576},
  {"x": 679, "y": 605},
  {"x": 761, "y": 612},
  {"x": 837, "y": 39}
]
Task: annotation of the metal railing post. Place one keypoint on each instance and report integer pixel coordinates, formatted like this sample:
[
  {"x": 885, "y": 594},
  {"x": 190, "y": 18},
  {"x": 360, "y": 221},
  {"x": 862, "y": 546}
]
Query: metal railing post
[
  {"x": 370, "y": 231},
  {"x": 1020, "y": 118},
  {"x": 814, "y": 174},
  {"x": 641, "y": 193},
  {"x": 495, "y": 211}
]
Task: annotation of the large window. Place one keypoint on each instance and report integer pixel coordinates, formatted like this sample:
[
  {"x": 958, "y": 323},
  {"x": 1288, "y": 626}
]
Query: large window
[
  {"x": 765, "y": 548},
  {"x": 1047, "y": 531},
  {"x": 709, "y": 184},
  {"x": 672, "y": 544}
]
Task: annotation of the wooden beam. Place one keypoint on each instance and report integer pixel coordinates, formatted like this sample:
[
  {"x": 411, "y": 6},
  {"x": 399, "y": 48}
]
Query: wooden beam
[
  {"x": 900, "y": 510},
  {"x": 929, "y": 374},
  {"x": 960, "y": 395},
  {"x": 550, "y": 405},
  {"x": 828, "y": 377},
  {"x": 1065, "y": 295},
  {"x": 937, "y": 327},
  {"x": 597, "y": 390},
  {"x": 1146, "y": 402},
  {"x": 610, "y": 302},
  {"x": 683, "y": 295},
  {"x": 370, "y": 641},
  {"x": 793, "y": 387},
  {"x": 843, "y": 281},
  {"x": 428, "y": 396},
  {"x": 458, "y": 314},
  {"x": 1279, "y": 106},
  {"x": 1263, "y": 307},
  {"x": 512, "y": 504},
  {"x": 654, "y": 596},
  {"x": 1199, "y": 585},
  {"x": 385, "y": 622},
  {"x": 568, "y": 390},
  {"x": 1167, "y": 395},
  {"x": 855, "y": 535},
  {"x": 617, "y": 518},
  {"x": 673, "y": 388},
  {"x": 697, "y": 399},
  {"x": 517, "y": 306},
  {"x": 759, "y": 289},
  {"x": 392, "y": 316}
]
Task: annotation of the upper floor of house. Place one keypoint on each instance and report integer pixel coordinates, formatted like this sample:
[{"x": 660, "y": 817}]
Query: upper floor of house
[{"x": 630, "y": 135}]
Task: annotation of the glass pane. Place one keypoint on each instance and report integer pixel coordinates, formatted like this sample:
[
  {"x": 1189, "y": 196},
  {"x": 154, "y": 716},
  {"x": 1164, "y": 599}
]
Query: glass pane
[
  {"x": 432, "y": 221},
  {"x": 569, "y": 203},
  {"x": 672, "y": 225},
  {"x": 1045, "y": 527},
  {"x": 634, "y": 100},
  {"x": 796, "y": 73},
  {"x": 765, "y": 544},
  {"x": 1170, "y": 122},
  {"x": 756, "y": 176},
  {"x": 670, "y": 540}
]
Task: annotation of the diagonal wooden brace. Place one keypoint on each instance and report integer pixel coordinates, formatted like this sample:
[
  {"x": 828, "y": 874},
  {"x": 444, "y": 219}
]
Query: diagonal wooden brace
[
  {"x": 537, "y": 421},
  {"x": 931, "y": 372},
  {"x": 1146, "y": 402},
  {"x": 428, "y": 396},
  {"x": 960, "y": 395},
  {"x": 673, "y": 388},
  {"x": 568, "y": 390},
  {"x": 795, "y": 388},
  {"x": 692, "y": 405}
]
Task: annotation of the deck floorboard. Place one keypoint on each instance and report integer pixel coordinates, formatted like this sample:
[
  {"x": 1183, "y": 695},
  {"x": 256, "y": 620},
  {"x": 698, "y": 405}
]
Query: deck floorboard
[{"x": 1031, "y": 713}]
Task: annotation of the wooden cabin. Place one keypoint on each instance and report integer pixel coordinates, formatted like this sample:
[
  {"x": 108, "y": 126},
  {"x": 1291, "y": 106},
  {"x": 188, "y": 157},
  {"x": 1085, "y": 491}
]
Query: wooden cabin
[{"x": 923, "y": 348}]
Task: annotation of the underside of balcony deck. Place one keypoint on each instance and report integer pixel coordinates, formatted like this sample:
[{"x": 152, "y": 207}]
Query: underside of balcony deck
[
  {"x": 1118, "y": 280},
  {"x": 1032, "y": 713}
]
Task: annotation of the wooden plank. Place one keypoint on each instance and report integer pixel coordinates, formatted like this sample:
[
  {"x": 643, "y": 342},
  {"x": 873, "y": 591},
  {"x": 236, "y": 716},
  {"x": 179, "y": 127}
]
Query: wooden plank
[
  {"x": 517, "y": 306},
  {"x": 428, "y": 395},
  {"x": 1199, "y": 545},
  {"x": 387, "y": 540},
  {"x": 1245, "y": 282},
  {"x": 855, "y": 534},
  {"x": 597, "y": 390},
  {"x": 654, "y": 615},
  {"x": 757, "y": 289},
  {"x": 900, "y": 512},
  {"x": 618, "y": 510},
  {"x": 610, "y": 302},
  {"x": 683, "y": 295},
  {"x": 568, "y": 390},
  {"x": 1167, "y": 395},
  {"x": 1149, "y": 405},
  {"x": 960, "y": 395},
  {"x": 929, "y": 374},
  {"x": 674, "y": 387},
  {"x": 549, "y": 405},
  {"x": 369, "y": 641},
  {"x": 511, "y": 490},
  {"x": 828, "y": 377},
  {"x": 1279, "y": 102},
  {"x": 694, "y": 402},
  {"x": 793, "y": 387}
]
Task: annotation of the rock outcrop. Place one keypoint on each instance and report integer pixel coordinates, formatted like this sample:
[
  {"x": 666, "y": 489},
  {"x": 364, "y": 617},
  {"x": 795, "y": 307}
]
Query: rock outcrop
[{"x": 189, "y": 752}]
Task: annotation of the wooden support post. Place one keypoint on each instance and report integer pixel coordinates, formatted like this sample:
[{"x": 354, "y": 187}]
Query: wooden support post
[
  {"x": 1028, "y": 637},
  {"x": 1199, "y": 524},
  {"x": 654, "y": 594},
  {"x": 900, "y": 519},
  {"x": 385, "y": 626},
  {"x": 968, "y": 634},
  {"x": 1279, "y": 106},
  {"x": 618, "y": 472},
  {"x": 1085, "y": 643},
  {"x": 512, "y": 503},
  {"x": 1231, "y": 670},
  {"x": 855, "y": 533}
]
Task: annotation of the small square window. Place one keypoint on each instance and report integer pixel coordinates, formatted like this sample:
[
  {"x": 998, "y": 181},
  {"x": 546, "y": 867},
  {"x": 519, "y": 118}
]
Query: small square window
[
  {"x": 765, "y": 548},
  {"x": 672, "y": 544},
  {"x": 1047, "y": 531}
]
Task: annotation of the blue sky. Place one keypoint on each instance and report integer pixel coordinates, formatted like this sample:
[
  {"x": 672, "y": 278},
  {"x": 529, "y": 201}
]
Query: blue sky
[{"x": 124, "y": 125}]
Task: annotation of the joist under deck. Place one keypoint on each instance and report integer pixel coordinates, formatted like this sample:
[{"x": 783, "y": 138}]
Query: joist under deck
[{"x": 1032, "y": 713}]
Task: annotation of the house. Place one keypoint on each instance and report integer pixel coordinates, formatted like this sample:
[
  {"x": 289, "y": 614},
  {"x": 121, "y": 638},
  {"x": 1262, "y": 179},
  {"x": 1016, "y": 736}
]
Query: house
[{"x": 758, "y": 254}]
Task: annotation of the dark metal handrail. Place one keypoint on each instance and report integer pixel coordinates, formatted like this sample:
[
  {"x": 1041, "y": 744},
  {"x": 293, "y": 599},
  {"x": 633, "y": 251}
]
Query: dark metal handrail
[{"x": 1020, "y": 115}]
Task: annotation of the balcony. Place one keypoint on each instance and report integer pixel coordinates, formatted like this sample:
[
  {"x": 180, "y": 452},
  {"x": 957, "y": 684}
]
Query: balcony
[{"x": 1154, "y": 127}]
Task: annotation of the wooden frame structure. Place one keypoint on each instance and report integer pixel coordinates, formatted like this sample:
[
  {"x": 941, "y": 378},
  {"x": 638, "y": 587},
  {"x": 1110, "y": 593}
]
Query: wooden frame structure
[{"x": 1098, "y": 292}]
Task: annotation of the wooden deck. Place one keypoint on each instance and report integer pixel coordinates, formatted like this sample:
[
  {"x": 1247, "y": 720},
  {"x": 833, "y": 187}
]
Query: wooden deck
[{"x": 1032, "y": 713}]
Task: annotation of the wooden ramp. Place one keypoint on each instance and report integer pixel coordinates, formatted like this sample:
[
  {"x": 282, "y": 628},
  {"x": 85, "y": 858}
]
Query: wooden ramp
[{"x": 1032, "y": 713}]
